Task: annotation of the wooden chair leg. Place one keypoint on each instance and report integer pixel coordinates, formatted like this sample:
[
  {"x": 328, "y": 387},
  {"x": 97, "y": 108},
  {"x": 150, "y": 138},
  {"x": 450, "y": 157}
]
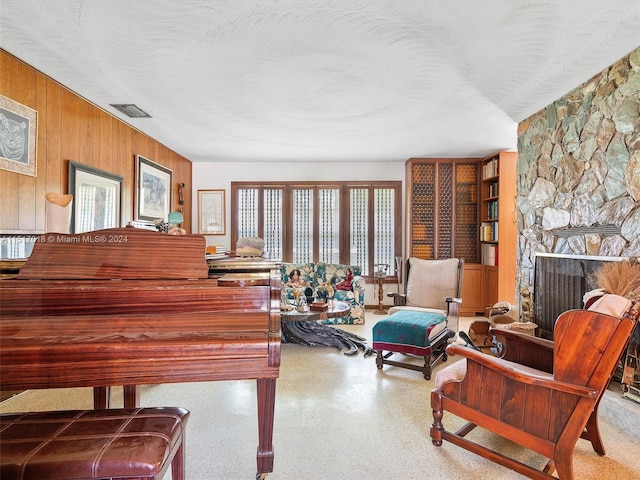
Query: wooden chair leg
[
  {"x": 427, "y": 368},
  {"x": 379, "y": 360},
  {"x": 592, "y": 433},
  {"x": 177, "y": 464},
  {"x": 564, "y": 465},
  {"x": 436, "y": 427}
]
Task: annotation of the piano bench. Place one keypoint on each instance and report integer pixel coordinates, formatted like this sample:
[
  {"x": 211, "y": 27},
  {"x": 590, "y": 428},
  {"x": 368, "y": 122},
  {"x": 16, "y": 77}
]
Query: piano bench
[{"x": 133, "y": 443}]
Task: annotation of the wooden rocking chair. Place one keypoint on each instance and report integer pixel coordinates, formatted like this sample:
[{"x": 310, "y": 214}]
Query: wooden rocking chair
[{"x": 546, "y": 407}]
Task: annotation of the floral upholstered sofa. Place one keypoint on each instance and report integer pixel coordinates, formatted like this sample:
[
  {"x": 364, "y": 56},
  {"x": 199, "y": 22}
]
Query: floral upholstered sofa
[{"x": 316, "y": 275}]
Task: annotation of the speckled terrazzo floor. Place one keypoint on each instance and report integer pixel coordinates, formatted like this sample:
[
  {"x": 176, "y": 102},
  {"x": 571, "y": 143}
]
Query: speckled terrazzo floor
[{"x": 337, "y": 417}]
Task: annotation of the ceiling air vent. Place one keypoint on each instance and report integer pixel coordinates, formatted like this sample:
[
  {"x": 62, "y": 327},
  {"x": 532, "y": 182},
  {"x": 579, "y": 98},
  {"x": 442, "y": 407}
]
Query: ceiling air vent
[{"x": 130, "y": 110}]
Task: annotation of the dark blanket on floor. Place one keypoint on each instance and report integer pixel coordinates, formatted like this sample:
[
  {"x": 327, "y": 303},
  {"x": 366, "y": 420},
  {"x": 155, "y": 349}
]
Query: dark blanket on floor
[{"x": 314, "y": 334}]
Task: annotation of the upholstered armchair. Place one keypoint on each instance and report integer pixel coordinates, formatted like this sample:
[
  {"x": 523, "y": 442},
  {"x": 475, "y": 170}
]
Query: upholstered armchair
[
  {"x": 423, "y": 319},
  {"x": 547, "y": 402},
  {"x": 314, "y": 275}
]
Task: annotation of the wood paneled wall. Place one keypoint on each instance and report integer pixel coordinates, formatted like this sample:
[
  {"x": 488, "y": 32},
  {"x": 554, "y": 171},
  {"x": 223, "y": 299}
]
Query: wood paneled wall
[{"x": 71, "y": 128}]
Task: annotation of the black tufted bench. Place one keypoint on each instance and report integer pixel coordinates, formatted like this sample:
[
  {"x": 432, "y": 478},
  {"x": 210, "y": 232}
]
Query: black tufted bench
[{"x": 135, "y": 443}]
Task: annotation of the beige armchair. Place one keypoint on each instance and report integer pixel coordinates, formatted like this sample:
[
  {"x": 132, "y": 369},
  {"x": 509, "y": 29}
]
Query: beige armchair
[{"x": 424, "y": 318}]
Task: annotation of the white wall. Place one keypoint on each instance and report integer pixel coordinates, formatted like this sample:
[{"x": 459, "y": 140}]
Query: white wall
[{"x": 219, "y": 175}]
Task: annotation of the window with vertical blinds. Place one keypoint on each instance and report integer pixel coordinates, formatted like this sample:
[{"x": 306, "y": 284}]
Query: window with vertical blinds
[{"x": 334, "y": 222}]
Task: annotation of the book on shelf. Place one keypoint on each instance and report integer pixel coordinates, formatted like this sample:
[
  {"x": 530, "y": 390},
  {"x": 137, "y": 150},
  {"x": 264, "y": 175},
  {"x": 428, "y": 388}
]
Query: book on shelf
[
  {"x": 492, "y": 209},
  {"x": 485, "y": 231},
  {"x": 490, "y": 169},
  {"x": 490, "y": 254},
  {"x": 489, "y": 232}
]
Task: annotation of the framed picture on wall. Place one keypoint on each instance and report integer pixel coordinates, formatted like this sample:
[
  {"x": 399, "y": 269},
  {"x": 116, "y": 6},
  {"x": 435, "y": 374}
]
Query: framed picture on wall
[
  {"x": 17, "y": 137},
  {"x": 211, "y": 212},
  {"x": 153, "y": 190},
  {"x": 97, "y": 198}
]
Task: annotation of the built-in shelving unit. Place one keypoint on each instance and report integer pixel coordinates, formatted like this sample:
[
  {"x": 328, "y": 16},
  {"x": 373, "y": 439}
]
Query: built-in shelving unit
[
  {"x": 465, "y": 208},
  {"x": 497, "y": 233}
]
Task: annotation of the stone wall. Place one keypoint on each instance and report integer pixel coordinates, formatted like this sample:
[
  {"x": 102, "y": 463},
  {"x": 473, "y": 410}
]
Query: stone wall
[{"x": 579, "y": 172}]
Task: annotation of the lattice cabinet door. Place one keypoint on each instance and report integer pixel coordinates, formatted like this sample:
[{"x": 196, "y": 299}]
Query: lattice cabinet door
[{"x": 442, "y": 208}]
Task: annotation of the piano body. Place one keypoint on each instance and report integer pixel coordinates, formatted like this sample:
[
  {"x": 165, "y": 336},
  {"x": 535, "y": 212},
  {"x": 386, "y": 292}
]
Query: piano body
[{"x": 131, "y": 307}]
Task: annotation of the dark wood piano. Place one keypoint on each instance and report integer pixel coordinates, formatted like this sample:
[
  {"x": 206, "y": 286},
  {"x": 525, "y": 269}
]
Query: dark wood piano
[{"x": 132, "y": 307}]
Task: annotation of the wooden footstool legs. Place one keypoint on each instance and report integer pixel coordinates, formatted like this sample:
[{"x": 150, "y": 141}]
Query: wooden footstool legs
[{"x": 138, "y": 443}]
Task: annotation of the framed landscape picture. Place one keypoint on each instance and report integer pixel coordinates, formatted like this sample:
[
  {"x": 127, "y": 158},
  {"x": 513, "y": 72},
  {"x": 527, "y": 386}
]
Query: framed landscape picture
[
  {"x": 97, "y": 198},
  {"x": 153, "y": 190},
  {"x": 17, "y": 137},
  {"x": 211, "y": 212}
]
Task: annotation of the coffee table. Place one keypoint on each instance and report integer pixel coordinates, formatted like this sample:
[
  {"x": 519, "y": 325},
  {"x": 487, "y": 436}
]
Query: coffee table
[
  {"x": 338, "y": 310},
  {"x": 302, "y": 328}
]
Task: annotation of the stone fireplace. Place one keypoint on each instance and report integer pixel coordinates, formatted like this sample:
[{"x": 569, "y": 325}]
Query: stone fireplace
[{"x": 578, "y": 175}]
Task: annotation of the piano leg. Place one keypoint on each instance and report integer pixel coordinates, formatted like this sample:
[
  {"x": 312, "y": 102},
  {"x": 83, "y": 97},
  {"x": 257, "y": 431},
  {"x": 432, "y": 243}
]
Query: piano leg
[
  {"x": 101, "y": 397},
  {"x": 131, "y": 397},
  {"x": 266, "y": 409}
]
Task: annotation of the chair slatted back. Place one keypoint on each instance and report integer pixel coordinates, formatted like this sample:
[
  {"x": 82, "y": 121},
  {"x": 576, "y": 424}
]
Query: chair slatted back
[{"x": 588, "y": 345}]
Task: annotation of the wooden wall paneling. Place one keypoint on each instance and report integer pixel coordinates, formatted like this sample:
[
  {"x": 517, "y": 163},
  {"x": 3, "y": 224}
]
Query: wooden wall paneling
[
  {"x": 70, "y": 148},
  {"x": 42, "y": 180},
  {"x": 9, "y": 200},
  {"x": 54, "y": 138},
  {"x": 136, "y": 141},
  {"x": 53, "y": 126},
  {"x": 86, "y": 134},
  {"x": 142, "y": 146},
  {"x": 26, "y": 95},
  {"x": 125, "y": 167},
  {"x": 8, "y": 181},
  {"x": 168, "y": 160},
  {"x": 70, "y": 128},
  {"x": 105, "y": 155}
]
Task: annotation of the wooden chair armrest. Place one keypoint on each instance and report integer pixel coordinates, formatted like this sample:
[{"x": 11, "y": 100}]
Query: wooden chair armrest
[
  {"x": 453, "y": 309},
  {"x": 522, "y": 375},
  {"x": 531, "y": 341},
  {"x": 399, "y": 299},
  {"x": 525, "y": 349}
]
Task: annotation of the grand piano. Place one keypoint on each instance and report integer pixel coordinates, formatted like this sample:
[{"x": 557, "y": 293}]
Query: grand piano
[{"x": 132, "y": 307}]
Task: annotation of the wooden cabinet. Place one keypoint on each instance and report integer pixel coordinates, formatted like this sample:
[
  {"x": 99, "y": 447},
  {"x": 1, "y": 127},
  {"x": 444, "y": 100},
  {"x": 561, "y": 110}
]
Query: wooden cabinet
[
  {"x": 491, "y": 275},
  {"x": 473, "y": 293},
  {"x": 479, "y": 288},
  {"x": 442, "y": 208},
  {"x": 498, "y": 229},
  {"x": 465, "y": 208}
]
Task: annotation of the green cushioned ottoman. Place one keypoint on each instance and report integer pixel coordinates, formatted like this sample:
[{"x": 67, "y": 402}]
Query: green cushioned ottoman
[{"x": 414, "y": 333}]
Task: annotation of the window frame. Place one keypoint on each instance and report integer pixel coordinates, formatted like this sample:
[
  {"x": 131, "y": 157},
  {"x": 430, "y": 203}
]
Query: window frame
[{"x": 345, "y": 215}]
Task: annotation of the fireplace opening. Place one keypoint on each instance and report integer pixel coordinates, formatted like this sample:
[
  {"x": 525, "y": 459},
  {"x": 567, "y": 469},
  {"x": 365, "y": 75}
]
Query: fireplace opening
[{"x": 560, "y": 282}]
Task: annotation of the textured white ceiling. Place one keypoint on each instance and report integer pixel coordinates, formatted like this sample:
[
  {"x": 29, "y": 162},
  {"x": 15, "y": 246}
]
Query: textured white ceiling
[{"x": 344, "y": 80}]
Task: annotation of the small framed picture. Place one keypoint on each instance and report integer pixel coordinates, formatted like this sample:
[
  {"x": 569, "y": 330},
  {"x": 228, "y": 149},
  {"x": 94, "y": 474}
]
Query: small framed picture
[
  {"x": 18, "y": 138},
  {"x": 97, "y": 198},
  {"x": 211, "y": 212},
  {"x": 153, "y": 190}
]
